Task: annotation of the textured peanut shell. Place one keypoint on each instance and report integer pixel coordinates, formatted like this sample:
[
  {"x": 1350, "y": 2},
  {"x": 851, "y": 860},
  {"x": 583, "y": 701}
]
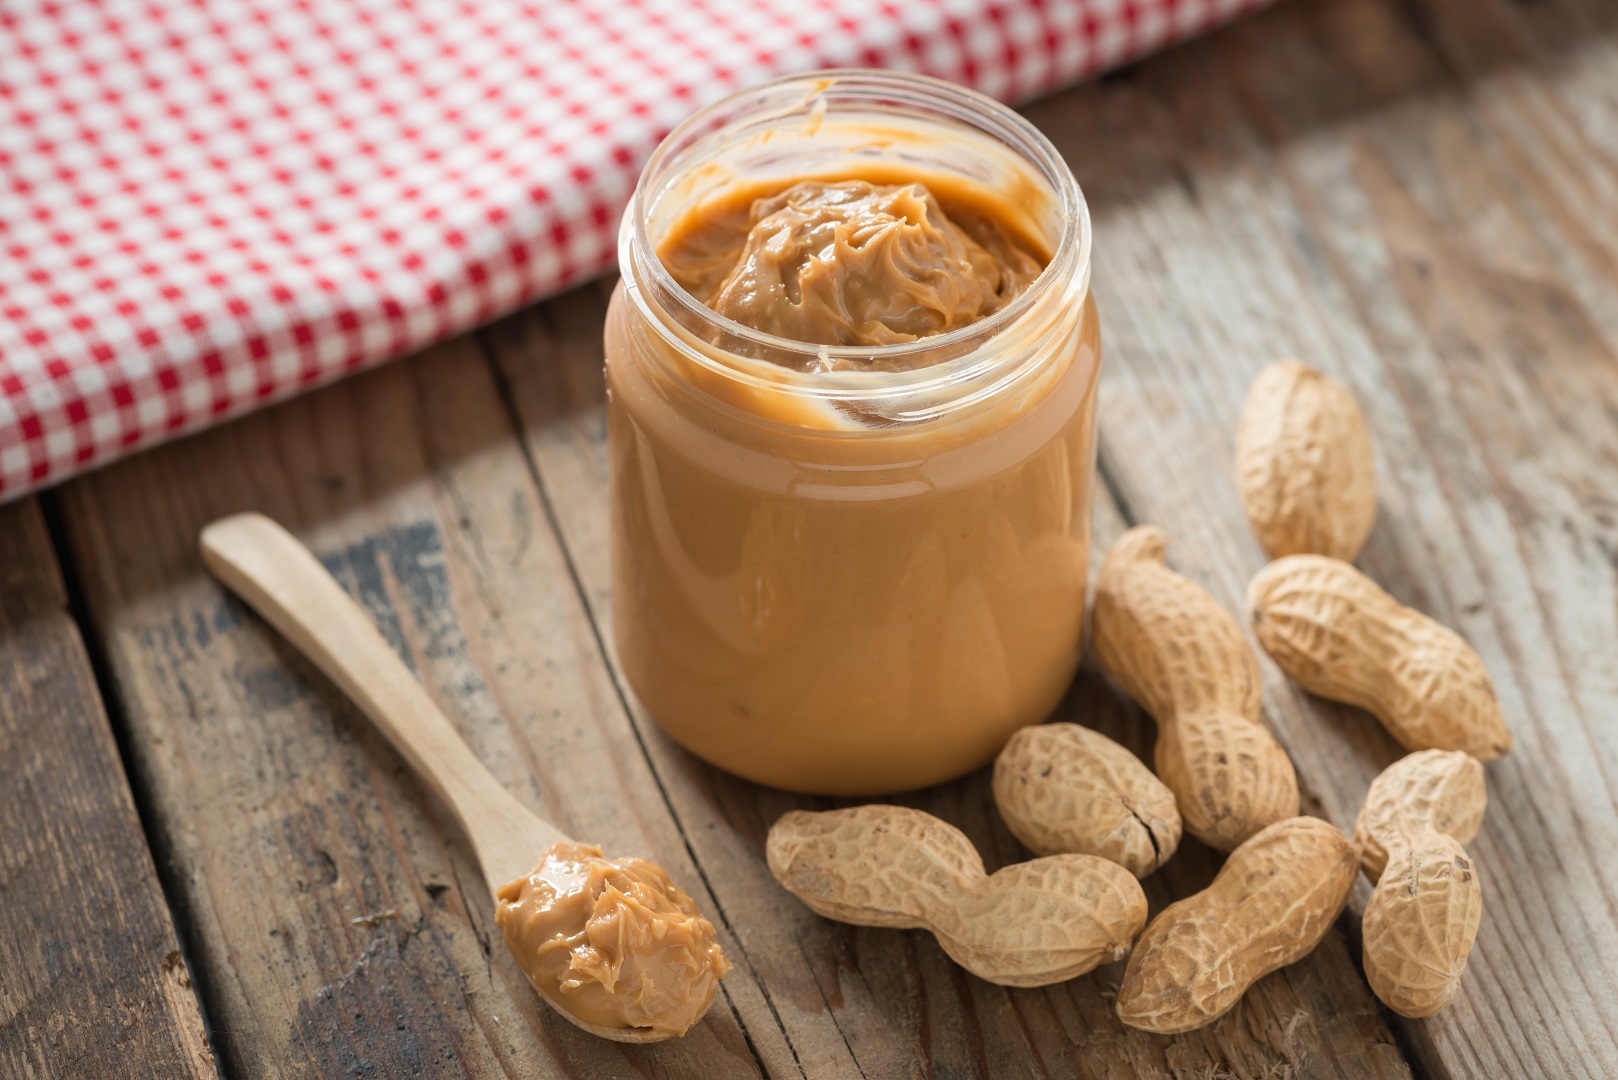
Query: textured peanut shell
[
  {"x": 1029, "y": 924},
  {"x": 1420, "y": 924},
  {"x": 1062, "y": 788},
  {"x": 1342, "y": 637},
  {"x": 1423, "y": 916},
  {"x": 1441, "y": 790},
  {"x": 1304, "y": 465},
  {"x": 1171, "y": 647},
  {"x": 1271, "y": 903}
]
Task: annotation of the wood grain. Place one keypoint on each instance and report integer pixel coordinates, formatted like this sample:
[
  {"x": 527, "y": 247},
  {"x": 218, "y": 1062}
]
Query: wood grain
[
  {"x": 285, "y": 585},
  {"x": 92, "y": 982}
]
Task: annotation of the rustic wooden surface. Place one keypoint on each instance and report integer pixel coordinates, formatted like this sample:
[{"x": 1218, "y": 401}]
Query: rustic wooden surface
[
  {"x": 92, "y": 981},
  {"x": 1419, "y": 196}
]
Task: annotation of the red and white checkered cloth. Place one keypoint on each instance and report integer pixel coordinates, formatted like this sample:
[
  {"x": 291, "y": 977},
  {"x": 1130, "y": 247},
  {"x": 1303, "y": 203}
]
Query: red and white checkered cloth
[{"x": 207, "y": 205}]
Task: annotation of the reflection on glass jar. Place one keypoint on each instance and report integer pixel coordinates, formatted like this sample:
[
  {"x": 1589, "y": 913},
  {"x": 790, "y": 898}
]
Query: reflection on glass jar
[{"x": 852, "y": 570}]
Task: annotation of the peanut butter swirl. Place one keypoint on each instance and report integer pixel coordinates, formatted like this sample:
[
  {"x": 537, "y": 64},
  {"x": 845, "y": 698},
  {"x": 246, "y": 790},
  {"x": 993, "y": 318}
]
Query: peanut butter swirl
[
  {"x": 612, "y": 942},
  {"x": 850, "y": 262}
]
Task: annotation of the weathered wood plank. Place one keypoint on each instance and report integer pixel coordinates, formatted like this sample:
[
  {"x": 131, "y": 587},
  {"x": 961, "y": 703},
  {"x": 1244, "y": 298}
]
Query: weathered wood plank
[
  {"x": 341, "y": 925},
  {"x": 1417, "y": 197},
  {"x": 893, "y": 999},
  {"x": 92, "y": 982}
]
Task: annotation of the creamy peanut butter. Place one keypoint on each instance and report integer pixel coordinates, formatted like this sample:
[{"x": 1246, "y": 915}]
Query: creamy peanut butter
[
  {"x": 849, "y": 262},
  {"x": 612, "y": 942}
]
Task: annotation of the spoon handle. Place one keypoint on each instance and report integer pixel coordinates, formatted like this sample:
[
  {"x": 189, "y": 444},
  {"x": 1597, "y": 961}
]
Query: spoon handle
[{"x": 281, "y": 579}]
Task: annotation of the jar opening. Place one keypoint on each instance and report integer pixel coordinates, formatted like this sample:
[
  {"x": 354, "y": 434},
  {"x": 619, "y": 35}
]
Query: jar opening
[{"x": 768, "y": 123}]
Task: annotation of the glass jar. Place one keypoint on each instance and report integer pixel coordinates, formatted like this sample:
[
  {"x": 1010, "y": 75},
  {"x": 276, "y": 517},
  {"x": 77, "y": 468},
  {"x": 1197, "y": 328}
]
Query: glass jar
[{"x": 846, "y": 570}]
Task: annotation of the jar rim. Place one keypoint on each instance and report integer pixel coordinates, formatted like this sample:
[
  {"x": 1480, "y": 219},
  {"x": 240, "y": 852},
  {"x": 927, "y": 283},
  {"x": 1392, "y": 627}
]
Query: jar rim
[{"x": 1069, "y": 260}]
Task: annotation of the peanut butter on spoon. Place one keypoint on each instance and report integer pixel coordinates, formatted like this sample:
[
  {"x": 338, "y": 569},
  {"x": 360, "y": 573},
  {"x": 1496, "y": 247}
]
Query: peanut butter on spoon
[
  {"x": 613, "y": 945},
  {"x": 613, "y": 942}
]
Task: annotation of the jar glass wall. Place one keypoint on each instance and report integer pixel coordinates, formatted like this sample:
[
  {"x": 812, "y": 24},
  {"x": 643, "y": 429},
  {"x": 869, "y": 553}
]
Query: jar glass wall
[{"x": 852, "y": 570}]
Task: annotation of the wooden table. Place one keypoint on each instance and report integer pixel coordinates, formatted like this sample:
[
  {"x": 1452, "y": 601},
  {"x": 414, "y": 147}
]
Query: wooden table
[{"x": 1419, "y": 196}]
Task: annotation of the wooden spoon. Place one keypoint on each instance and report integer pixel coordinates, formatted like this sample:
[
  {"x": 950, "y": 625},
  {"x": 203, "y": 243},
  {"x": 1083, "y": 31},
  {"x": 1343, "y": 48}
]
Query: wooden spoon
[{"x": 282, "y": 580}]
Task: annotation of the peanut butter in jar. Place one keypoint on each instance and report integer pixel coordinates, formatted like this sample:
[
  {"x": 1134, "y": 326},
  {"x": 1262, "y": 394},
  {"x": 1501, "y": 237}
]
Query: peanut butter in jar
[{"x": 851, "y": 369}]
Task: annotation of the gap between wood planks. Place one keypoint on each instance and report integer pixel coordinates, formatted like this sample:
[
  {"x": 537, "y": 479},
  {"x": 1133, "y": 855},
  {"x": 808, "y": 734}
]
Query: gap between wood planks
[
  {"x": 84, "y": 989},
  {"x": 157, "y": 842}
]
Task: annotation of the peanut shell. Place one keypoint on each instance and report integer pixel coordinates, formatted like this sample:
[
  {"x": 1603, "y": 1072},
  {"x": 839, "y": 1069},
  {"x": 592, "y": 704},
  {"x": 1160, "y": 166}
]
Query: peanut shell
[
  {"x": 1338, "y": 634},
  {"x": 1420, "y": 925},
  {"x": 1029, "y": 924},
  {"x": 1423, "y": 916},
  {"x": 1171, "y": 647},
  {"x": 1441, "y": 790},
  {"x": 1270, "y": 904},
  {"x": 1064, "y": 788},
  {"x": 1304, "y": 464}
]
